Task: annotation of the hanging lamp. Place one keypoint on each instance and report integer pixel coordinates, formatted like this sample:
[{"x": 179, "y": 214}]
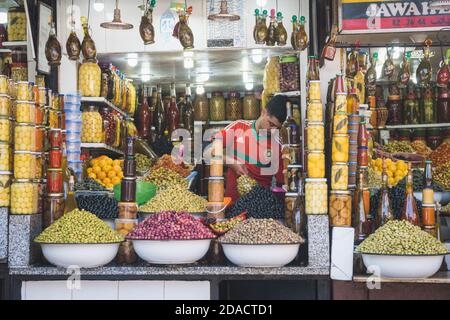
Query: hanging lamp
[
  {"x": 223, "y": 15},
  {"x": 117, "y": 23}
]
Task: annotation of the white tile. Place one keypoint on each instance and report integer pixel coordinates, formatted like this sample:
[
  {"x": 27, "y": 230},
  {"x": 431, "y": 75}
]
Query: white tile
[
  {"x": 343, "y": 240},
  {"x": 46, "y": 290},
  {"x": 141, "y": 290},
  {"x": 97, "y": 290},
  {"x": 187, "y": 290}
]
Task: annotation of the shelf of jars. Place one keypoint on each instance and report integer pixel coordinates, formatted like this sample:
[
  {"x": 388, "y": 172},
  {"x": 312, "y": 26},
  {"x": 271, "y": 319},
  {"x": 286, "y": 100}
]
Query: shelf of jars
[
  {"x": 14, "y": 44},
  {"x": 102, "y": 147},
  {"x": 417, "y": 126},
  {"x": 100, "y": 101},
  {"x": 290, "y": 94}
]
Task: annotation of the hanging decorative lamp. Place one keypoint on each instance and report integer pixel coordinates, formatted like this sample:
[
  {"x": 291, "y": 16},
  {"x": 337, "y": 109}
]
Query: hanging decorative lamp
[
  {"x": 223, "y": 15},
  {"x": 117, "y": 23}
]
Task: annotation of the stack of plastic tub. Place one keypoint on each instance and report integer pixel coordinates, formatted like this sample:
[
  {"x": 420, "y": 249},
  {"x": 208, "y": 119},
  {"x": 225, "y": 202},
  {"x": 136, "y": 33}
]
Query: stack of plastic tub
[{"x": 72, "y": 109}]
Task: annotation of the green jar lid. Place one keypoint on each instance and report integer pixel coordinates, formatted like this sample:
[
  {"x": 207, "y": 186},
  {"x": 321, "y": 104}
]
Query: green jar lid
[{"x": 288, "y": 59}]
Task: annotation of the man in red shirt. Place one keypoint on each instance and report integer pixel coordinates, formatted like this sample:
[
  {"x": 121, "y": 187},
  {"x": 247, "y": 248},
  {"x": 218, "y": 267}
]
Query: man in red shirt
[{"x": 253, "y": 148}]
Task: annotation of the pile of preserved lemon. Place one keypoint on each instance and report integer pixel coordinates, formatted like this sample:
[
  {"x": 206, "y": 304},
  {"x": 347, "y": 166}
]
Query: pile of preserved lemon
[
  {"x": 106, "y": 171},
  {"x": 396, "y": 170}
]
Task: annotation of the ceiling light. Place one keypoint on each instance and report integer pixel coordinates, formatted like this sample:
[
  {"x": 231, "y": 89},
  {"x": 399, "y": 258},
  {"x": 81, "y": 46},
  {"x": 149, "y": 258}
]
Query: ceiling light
[
  {"x": 145, "y": 78},
  {"x": 257, "y": 56},
  {"x": 3, "y": 17},
  {"x": 200, "y": 90},
  {"x": 249, "y": 86},
  {"x": 99, "y": 5},
  {"x": 132, "y": 60},
  {"x": 261, "y": 3},
  {"x": 223, "y": 15},
  {"x": 188, "y": 63},
  {"x": 245, "y": 64},
  {"x": 246, "y": 76},
  {"x": 117, "y": 23},
  {"x": 188, "y": 53}
]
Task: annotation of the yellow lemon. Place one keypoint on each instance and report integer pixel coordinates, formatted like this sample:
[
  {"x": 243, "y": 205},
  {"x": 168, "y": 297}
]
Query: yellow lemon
[
  {"x": 388, "y": 162},
  {"x": 393, "y": 167},
  {"x": 89, "y": 170},
  {"x": 111, "y": 174},
  {"x": 379, "y": 162},
  {"x": 102, "y": 163},
  {"x": 101, "y": 175},
  {"x": 399, "y": 173},
  {"x": 92, "y": 175},
  {"x": 115, "y": 180},
  {"x": 106, "y": 181},
  {"x": 107, "y": 168},
  {"x": 109, "y": 161},
  {"x": 120, "y": 175},
  {"x": 117, "y": 168},
  {"x": 391, "y": 181},
  {"x": 116, "y": 163},
  {"x": 94, "y": 162},
  {"x": 97, "y": 169}
]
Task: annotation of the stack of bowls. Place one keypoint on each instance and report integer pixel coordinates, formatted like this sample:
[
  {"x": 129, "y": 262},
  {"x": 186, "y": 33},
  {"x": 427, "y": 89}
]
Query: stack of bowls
[{"x": 72, "y": 109}]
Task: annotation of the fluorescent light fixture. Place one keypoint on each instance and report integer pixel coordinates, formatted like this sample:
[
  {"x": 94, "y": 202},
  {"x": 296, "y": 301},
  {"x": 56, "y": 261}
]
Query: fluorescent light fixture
[
  {"x": 3, "y": 17},
  {"x": 249, "y": 86},
  {"x": 132, "y": 60},
  {"x": 247, "y": 76},
  {"x": 245, "y": 64},
  {"x": 188, "y": 63},
  {"x": 200, "y": 89},
  {"x": 99, "y": 5}
]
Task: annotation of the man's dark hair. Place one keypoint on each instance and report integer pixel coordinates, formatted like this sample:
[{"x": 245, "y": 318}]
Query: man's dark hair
[{"x": 277, "y": 108}]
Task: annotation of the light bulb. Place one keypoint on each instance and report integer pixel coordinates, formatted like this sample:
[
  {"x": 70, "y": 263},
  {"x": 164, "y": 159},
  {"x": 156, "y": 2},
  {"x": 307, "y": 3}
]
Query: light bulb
[
  {"x": 99, "y": 5},
  {"x": 3, "y": 17},
  {"x": 132, "y": 60},
  {"x": 145, "y": 78},
  {"x": 257, "y": 56},
  {"x": 200, "y": 90},
  {"x": 261, "y": 3},
  {"x": 249, "y": 86},
  {"x": 188, "y": 63}
]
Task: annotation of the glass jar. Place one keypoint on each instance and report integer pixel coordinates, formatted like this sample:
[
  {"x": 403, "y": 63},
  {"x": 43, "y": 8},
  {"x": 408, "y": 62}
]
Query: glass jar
[
  {"x": 294, "y": 176},
  {"x": 216, "y": 168},
  {"x": 53, "y": 209},
  {"x": 434, "y": 138},
  {"x": 117, "y": 141},
  {"x": 40, "y": 138},
  {"x": 271, "y": 80},
  {"x": 5, "y": 157},
  {"x": 24, "y": 165},
  {"x": 289, "y": 73},
  {"x": 314, "y": 111},
  {"x": 216, "y": 189},
  {"x": 25, "y": 112},
  {"x": 109, "y": 126},
  {"x": 340, "y": 148},
  {"x": 5, "y": 188},
  {"x": 217, "y": 107},
  {"x": 316, "y": 164},
  {"x": 251, "y": 108},
  {"x": 128, "y": 210},
  {"x": 443, "y": 107},
  {"x": 201, "y": 108},
  {"x": 92, "y": 128},
  {"x": 24, "y": 137},
  {"x": 339, "y": 176},
  {"x": 394, "y": 110},
  {"x": 340, "y": 209},
  {"x": 289, "y": 207},
  {"x": 4, "y": 85},
  {"x": 340, "y": 123},
  {"x": 89, "y": 79},
  {"x": 40, "y": 112},
  {"x": 55, "y": 181},
  {"x": 19, "y": 72},
  {"x": 315, "y": 136},
  {"x": 5, "y": 129},
  {"x": 316, "y": 196},
  {"x": 24, "y": 197},
  {"x": 40, "y": 159},
  {"x": 5, "y": 105},
  {"x": 233, "y": 106},
  {"x": 24, "y": 91},
  {"x": 17, "y": 24},
  {"x": 104, "y": 91}
]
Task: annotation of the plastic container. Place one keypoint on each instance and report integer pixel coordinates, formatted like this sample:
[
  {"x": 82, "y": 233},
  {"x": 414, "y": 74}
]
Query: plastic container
[
  {"x": 74, "y": 125},
  {"x": 73, "y": 135},
  {"x": 73, "y": 156},
  {"x": 73, "y": 145},
  {"x": 5, "y": 188},
  {"x": 72, "y": 107},
  {"x": 24, "y": 137},
  {"x": 77, "y": 166},
  {"x": 73, "y": 116},
  {"x": 72, "y": 98},
  {"x": 24, "y": 197},
  {"x": 5, "y": 129}
]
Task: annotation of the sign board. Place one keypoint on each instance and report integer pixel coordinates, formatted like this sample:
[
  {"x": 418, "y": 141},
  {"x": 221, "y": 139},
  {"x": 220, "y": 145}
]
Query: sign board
[
  {"x": 362, "y": 16},
  {"x": 45, "y": 17}
]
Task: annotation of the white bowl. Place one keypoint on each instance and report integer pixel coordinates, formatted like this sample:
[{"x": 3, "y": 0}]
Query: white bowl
[
  {"x": 81, "y": 255},
  {"x": 171, "y": 251},
  {"x": 271, "y": 255},
  {"x": 404, "y": 267},
  {"x": 442, "y": 197},
  {"x": 447, "y": 257}
]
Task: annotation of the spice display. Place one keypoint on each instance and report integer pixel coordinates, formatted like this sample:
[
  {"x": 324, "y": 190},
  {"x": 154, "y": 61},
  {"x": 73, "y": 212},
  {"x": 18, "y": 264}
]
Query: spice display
[
  {"x": 216, "y": 189},
  {"x": 5, "y": 157},
  {"x": 315, "y": 136},
  {"x": 339, "y": 176},
  {"x": 217, "y": 107},
  {"x": 106, "y": 171},
  {"x": 233, "y": 107},
  {"x": 259, "y": 203},
  {"x": 92, "y": 129},
  {"x": 340, "y": 209},
  {"x": 340, "y": 148},
  {"x": 89, "y": 79},
  {"x": 261, "y": 231},
  {"x": 401, "y": 238},
  {"x": 314, "y": 111},
  {"x": 24, "y": 197},
  {"x": 17, "y": 25},
  {"x": 5, "y": 129},
  {"x": 5, "y": 188},
  {"x": 398, "y": 146},
  {"x": 316, "y": 164},
  {"x": 24, "y": 165},
  {"x": 316, "y": 196},
  {"x": 441, "y": 155},
  {"x": 171, "y": 225},
  {"x": 175, "y": 198},
  {"x": 79, "y": 226},
  {"x": 165, "y": 178},
  {"x": 421, "y": 148},
  {"x": 166, "y": 162}
]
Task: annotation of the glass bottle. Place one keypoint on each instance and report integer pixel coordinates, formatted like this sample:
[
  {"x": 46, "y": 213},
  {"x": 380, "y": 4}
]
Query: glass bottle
[
  {"x": 280, "y": 31},
  {"x": 340, "y": 87},
  {"x": 363, "y": 135},
  {"x": 73, "y": 44},
  {"x": 70, "y": 203},
  {"x": 53, "y": 48},
  {"x": 384, "y": 212},
  {"x": 329, "y": 51},
  {"x": 411, "y": 108},
  {"x": 302, "y": 36},
  {"x": 362, "y": 208},
  {"x": 352, "y": 102},
  {"x": 173, "y": 112},
  {"x": 428, "y": 176},
  {"x": 313, "y": 72},
  {"x": 371, "y": 75},
  {"x": 160, "y": 116},
  {"x": 299, "y": 223},
  {"x": 290, "y": 133},
  {"x": 88, "y": 45},
  {"x": 388, "y": 66},
  {"x": 409, "y": 211},
  {"x": 261, "y": 28},
  {"x": 404, "y": 75},
  {"x": 188, "y": 112},
  {"x": 352, "y": 64},
  {"x": 428, "y": 112},
  {"x": 145, "y": 117},
  {"x": 443, "y": 75},
  {"x": 185, "y": 34},
  {"x": 270, "y": 40},
  {"x": 424, "y": 70}
]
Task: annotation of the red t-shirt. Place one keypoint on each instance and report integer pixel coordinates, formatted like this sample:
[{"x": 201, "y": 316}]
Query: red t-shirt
[{"x": 242, "y": 142}]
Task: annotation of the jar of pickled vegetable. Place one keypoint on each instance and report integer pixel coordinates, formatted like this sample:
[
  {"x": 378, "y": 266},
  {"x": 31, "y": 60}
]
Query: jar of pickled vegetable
[
  {"x": 316, "y": 164},
  {"x": 116, "y": 119},
  {"x": 131, "y": 98},
  {"x": 109, "y": 126},
  {"x": 290, "y": 74},
  {"x": 53, "y": 209},
  {"x": 234, "y": 106},
  {"x": 434, "y": 138},
  {"x": 395, "y": 110},
  {"x": 201, "y": 108},
  {"x": 17, "y": 24},
  {"x": 40, "y": 138},
  {"x": 24, "y": 91},
  {"x": 19, "y": 72},
  {"x": 340, "y": 123},
  {"x": 271, "y": 80},
  {"x": 24, "y": 137},
  {"x": 316, "y": 196},
  {"x": 4, "y": 85},
  {"x": 5, "y": 105},
  {"x": 53, "y": 120},
  {"x": 339, "y": 176},
  {"x": 340, "y": 209},
  {"x": 314, "y": 111},
  {"x": 340, "y": 148},
  {"x": 25, "y": 112},
  {"x": 24, "y": 165},
  {"x": 92, "y": 128},
  {"x": 5, "y": 129},
  {"x": 251, "y": 108},
  {"x": 315, "y": 136},
  {"x": 217, "y": 107},
  {"x": 40, "y": 159},
  {"x": 89, "y": 79},
  {"x": 5, "y": 188},
  {"x": 5, "y": 156},
  {"x": 24, "y": 197}
]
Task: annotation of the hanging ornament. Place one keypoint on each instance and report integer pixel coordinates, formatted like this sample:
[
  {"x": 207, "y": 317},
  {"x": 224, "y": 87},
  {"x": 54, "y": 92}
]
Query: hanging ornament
[
  {"x": 424, "y": 70},
  {"x": 88, "y": 46},
  {"x": 280, "y": 31},
  {"x": 404, "y": 75},
  {"x": 73, "y": 44},
  {"x": 146, "y": 29},
  {"x": 185, "y": 34},
  {"x": 53, "y": 47},
  {"x": 260, "y": 34},
  {"x": 388, "y": 66}
]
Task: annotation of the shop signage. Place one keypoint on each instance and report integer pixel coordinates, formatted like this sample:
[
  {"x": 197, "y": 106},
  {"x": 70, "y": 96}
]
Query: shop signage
[{"x": 361, "y": 16}]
